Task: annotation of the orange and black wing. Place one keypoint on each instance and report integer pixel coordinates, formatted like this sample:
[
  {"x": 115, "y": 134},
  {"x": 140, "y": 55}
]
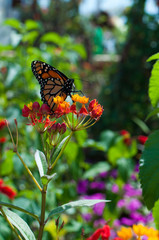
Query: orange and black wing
[{"x": 51, "y": 81}]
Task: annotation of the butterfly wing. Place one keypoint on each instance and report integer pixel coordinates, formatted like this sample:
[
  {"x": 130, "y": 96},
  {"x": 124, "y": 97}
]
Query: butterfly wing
[{"x": 51, "y": 82}]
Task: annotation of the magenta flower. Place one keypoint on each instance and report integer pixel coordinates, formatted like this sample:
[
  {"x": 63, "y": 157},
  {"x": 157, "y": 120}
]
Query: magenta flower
[
  {"x": 115, "y": 188},
  {"x": 97, "y": 185},
  {"x": 121, "y": 203},
  {"x": 134, "y": 204},
  {"x": 82, "y": 186}
]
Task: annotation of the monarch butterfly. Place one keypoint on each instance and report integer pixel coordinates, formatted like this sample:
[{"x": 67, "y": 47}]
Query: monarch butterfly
[{"x": 52, "y": 82}]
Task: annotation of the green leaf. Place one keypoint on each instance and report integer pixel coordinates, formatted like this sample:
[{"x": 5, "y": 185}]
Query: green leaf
[
  {"x": 153, "y": 113},
  {"x": 7, "y": 165},
  {"x": 13, "y": 23},
  {"x": 78, "y": 203},
  {"x": 153, "y": 57},
  {"x": 125, "y": 167},
  {"x": 9, "y": 205},
  {"x": 155, "y": 213},
  {"x": 100, "y": 146},
  {"x": 51, "y": 37},
  {"x": 30, "y": 37},
  {"x": 142, "y": 125},
  {"x": 20, "y": 224},
  {"x": 121, "y": 150},
  {"x": 107, "y": 138},
  {"x": 31, "y": 24},
  {"x": 41, "y": 162},
  {"x": 154, "y": 85},
  {"x": 97, "y": 169},
  {"x": 59, "y": 147},
  {"x": 149, "y": 165}
]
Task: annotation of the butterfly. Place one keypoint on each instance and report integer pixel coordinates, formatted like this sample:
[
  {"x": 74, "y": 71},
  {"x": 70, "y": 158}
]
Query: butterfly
[{"x": 53, "y": 83}]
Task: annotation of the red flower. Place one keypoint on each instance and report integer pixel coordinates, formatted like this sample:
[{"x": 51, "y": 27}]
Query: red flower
[
  {"x": 92, "y": 105},
  {"x": 104, "y": 233},
  {"x": 142, "y": 139},
  {"x": 96, "y": 111},
  {"x": 26, "y": 111},
  {"x": 8, "y": 191},
  {"x": 83, "y": 111},
  {"x": 2, "y": 124},
  {"x": 2, "y": 140},
  {"x": 126, "y": 137}
]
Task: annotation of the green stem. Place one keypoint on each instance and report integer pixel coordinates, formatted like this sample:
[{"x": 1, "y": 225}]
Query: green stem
[
  {"x": 28, "y": 170},
  {"x": 13, "y": 229},
  {"x": 42, "y": 219},
  {"x": 54, "y": 163}
]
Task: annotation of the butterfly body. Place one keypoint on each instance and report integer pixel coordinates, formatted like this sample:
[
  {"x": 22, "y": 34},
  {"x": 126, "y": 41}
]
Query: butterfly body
[{"x": 52, "y": 82}]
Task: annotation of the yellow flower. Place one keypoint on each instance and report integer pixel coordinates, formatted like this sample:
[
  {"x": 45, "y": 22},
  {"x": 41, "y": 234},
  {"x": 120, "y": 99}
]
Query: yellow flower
[
  {"x": 58, "y": 99},
  {"x": 151, "y": 232},
  {"x": 139, "y": 230},
  {"x": 77, "y": 98},
  {"x": 125, "y": 233},
  {"x": 30, "y": 105}
]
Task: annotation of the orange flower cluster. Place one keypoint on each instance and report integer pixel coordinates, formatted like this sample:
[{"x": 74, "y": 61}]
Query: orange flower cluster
[
  {"x": 79, "y": 122},
  {"x": 139, "y": 231}
]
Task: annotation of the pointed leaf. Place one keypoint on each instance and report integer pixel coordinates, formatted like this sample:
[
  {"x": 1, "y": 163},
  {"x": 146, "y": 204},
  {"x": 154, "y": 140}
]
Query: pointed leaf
[
  {"x": 14, "y": 23},
  {"x": 154, "y": 112},
  {"x": 155, "y": 214},
  {"x": 78, "y": 203},
  {"x": 149, "y": 165},
  {"x": 153, "y": 57},
  {"x": 59, "y": 147},
  {"x": 9, "y": 205},
  {"x": 154, "y": 85},
  {"x": 41, "y": 162},
  {"x": 20, "y": 224}
]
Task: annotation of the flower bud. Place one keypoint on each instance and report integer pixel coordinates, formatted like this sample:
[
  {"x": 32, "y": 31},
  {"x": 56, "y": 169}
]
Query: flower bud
[
  {"x": 45, "y": 109},
  {"x": 36, "y": 107},
  {"x": 63, "y": 128}
]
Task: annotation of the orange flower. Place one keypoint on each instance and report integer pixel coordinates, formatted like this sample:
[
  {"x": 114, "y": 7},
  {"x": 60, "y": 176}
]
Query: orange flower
[
  {"x": 125, "y": 233},
  {"x": 77, "y": 98}
]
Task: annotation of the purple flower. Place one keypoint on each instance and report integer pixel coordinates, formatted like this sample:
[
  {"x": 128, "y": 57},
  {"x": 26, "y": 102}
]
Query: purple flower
[
  {"x": 134, "y": 204},
  {"x": 97, "y": 185},
  {"x": 127, "y": 221},
  {"x": 138, "y": 217},
  {"x": 130, "y": 191},
  {"x": 121, "y": 203},
  {"x": 114, "y": 173},
  {"x": 103, "y": 174},
  {"x": 100, "y": 222},
  {"x": 82, "y": 186},
  {"x": 115, "y": 188},
  {"x": 87, "y": 217},
  {"x": 149, "y": 217},
  {"x": 99, "y": 207},
  {"x": 117, "y": 223},
  {"x": 137, "y": 168},
  {"x": 133, "y": 177}
]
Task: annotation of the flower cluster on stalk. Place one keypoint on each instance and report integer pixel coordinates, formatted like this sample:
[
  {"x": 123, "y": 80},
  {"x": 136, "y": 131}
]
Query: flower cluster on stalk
[{"x": 76, "y": 115}]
